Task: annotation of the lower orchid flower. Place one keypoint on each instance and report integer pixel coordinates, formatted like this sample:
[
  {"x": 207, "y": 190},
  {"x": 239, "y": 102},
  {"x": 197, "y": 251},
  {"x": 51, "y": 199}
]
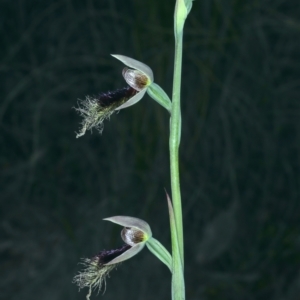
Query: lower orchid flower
[{"x": 136, "y": 234}]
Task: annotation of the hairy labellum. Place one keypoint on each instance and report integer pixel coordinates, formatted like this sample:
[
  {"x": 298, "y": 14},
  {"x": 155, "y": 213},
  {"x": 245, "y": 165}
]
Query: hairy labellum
[
  {"x": 116, "y": 97},
  {"x": 95, "y": 271},
  {"x": 106, "y": 256},
  {"x": 95, "y": 110}
]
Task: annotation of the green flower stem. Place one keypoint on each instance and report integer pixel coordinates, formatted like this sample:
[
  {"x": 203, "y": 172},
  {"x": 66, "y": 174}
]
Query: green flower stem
[
  {"x": 175, "y": 133},
  {"x": 178, "y": 287}
]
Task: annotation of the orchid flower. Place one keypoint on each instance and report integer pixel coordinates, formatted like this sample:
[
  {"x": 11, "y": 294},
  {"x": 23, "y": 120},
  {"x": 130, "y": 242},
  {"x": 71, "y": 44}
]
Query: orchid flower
[
  {"x": 139, "y": 78},
  {"x": 136, "y": 234}
]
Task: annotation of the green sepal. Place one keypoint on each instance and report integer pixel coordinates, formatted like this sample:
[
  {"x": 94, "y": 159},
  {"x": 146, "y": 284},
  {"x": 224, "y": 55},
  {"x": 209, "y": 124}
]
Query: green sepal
[
  {"x": 160, "y": 96},
  {"x": 160, "y": 252}
]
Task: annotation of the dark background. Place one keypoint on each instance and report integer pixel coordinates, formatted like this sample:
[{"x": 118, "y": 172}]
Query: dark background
[{"x": 239, "y": 151}]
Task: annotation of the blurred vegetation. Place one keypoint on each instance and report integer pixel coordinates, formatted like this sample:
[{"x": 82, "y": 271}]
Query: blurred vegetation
[{"x": 239, "y": 152}]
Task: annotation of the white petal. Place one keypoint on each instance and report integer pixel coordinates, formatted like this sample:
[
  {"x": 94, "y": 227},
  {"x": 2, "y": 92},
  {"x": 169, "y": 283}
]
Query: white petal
[
  {"x": 134, "y": 78},
  {"x": 127, "y": 254},
  {"x": 131, "y": 222},
  {"x": 135, "y": 64},
  {"x": 136, "y": 98}
]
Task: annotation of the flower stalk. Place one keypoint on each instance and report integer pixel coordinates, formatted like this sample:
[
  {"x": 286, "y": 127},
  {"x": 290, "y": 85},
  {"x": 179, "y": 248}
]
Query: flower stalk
[{"x": 178, "y": 287}]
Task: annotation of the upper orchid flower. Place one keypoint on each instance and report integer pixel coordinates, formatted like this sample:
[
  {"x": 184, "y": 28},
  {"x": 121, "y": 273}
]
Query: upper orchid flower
[
  {"x": 136, "y": 234},
  {"x": 139, "y": 77}
]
